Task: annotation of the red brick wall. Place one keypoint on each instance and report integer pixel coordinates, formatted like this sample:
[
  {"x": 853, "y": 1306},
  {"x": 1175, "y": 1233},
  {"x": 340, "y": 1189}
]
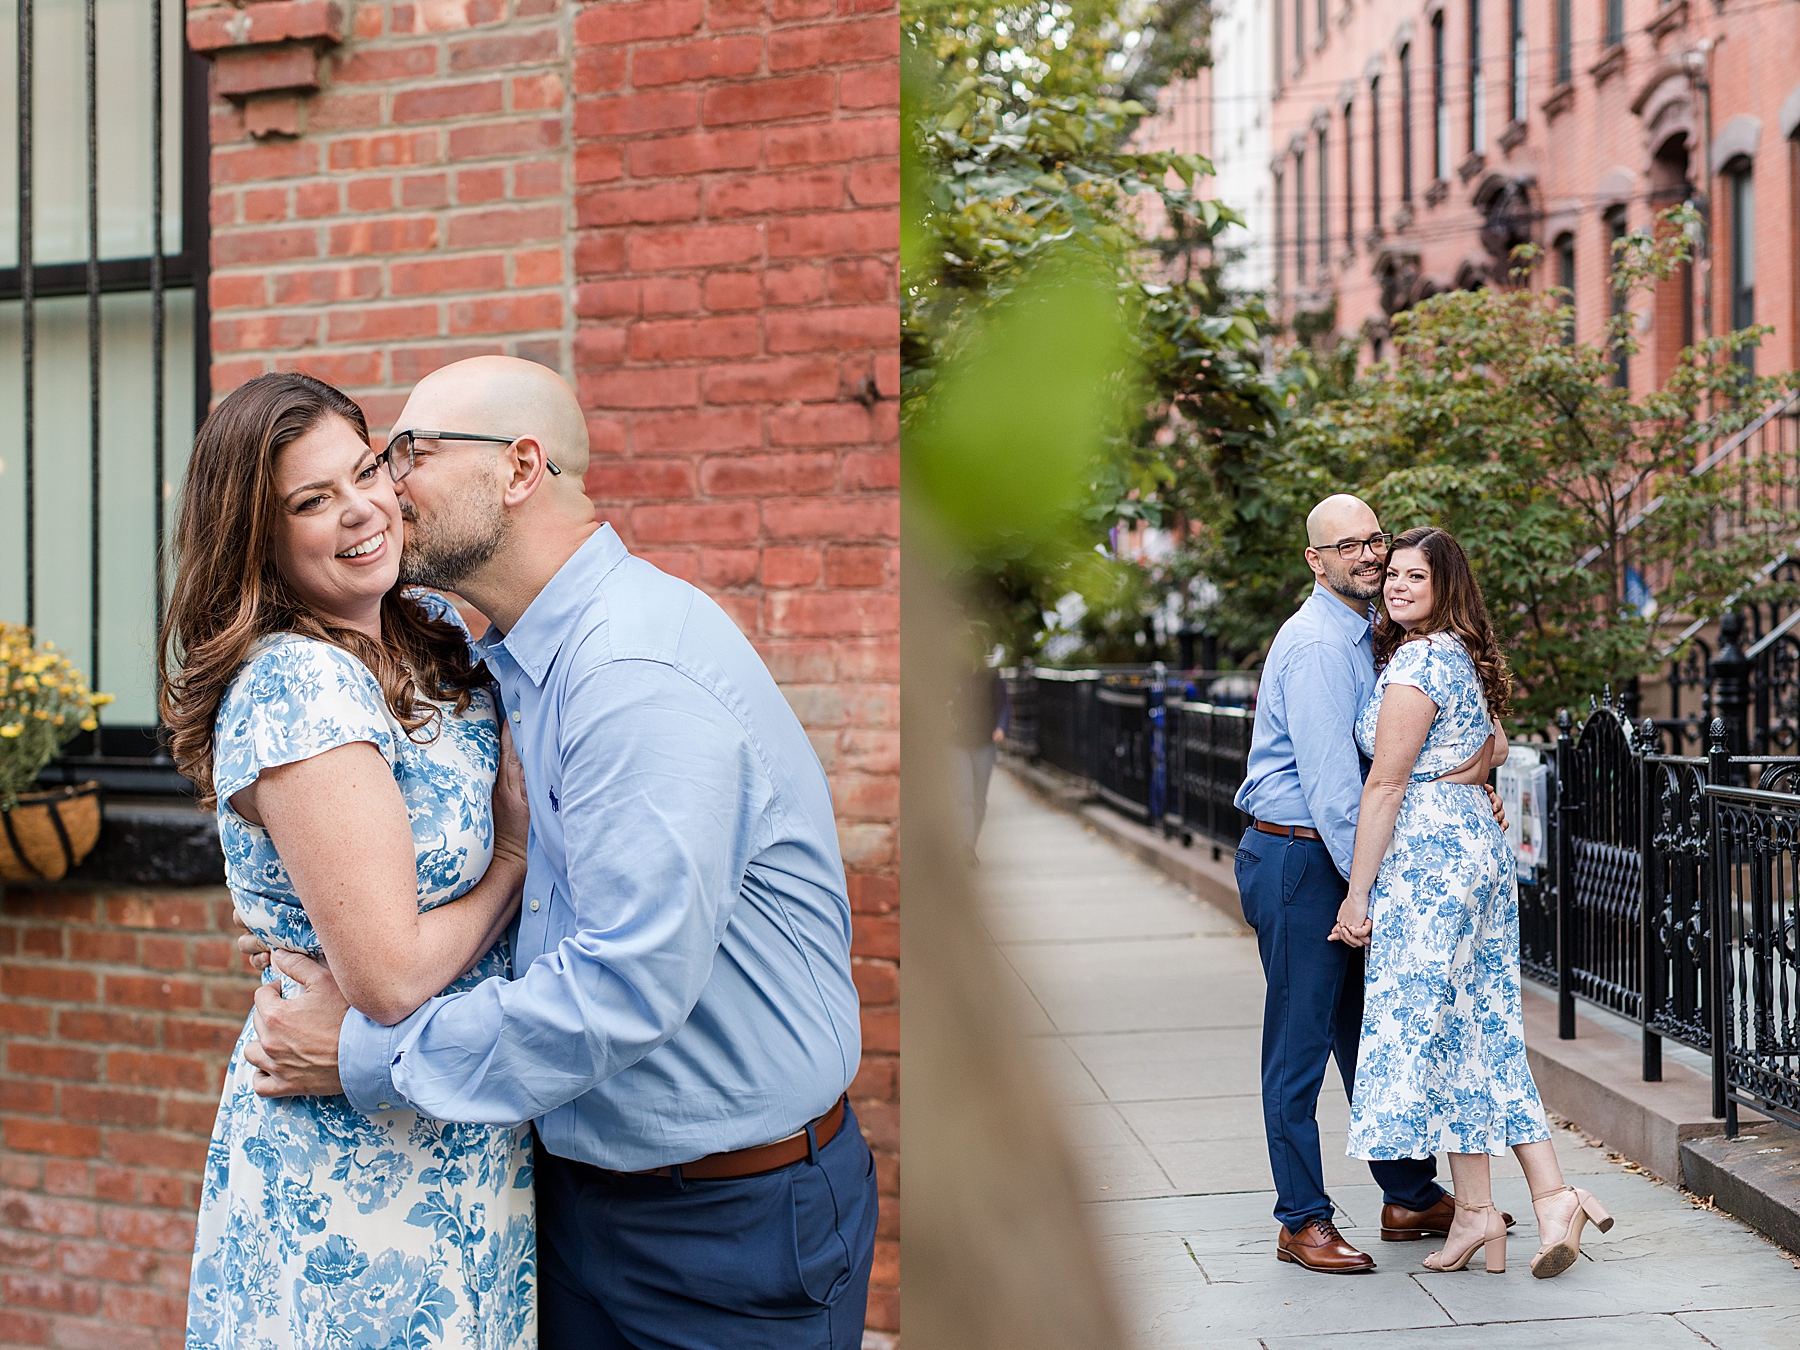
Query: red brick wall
[
  {"x": 421, "y": 217},
  {"x": 119, "y": 1011},
  {"x": 737, "y": 349},
  {"x": 686, "y": 207}
]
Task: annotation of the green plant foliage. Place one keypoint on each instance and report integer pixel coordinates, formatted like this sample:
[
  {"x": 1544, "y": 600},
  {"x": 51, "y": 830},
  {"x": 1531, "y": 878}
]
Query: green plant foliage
[
  {"x": 1488, "y": 421},
  {"x": 1060, "y": 355}
]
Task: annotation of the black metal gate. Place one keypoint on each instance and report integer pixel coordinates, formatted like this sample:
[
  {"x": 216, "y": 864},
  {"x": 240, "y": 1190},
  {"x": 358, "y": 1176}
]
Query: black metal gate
[{"x": 103, "y": 315}]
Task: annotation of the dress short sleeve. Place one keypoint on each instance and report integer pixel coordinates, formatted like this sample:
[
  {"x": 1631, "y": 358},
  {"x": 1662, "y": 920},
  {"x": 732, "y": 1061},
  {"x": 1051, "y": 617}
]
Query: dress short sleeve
[
  {"x": 1422, "y": 664},
  {"x": 296, "y": 698},
  {"x": 436, "y": 606}
]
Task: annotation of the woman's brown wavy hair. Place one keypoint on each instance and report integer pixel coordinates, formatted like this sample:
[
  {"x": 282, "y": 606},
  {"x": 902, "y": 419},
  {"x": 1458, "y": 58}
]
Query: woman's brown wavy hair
[
  {"x": 228, "y": 591},
  {"x": 1456, "y": 606}
]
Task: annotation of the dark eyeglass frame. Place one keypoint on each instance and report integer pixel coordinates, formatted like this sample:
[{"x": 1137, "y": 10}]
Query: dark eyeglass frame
[
  {"x": 1351, "y": 549},
  {"x": 393, "y": 460}
]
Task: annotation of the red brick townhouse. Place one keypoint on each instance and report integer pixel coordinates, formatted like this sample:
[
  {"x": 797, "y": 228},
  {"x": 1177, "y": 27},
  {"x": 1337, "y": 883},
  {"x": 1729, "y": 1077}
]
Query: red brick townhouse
[{"x": 685, "y": 206}]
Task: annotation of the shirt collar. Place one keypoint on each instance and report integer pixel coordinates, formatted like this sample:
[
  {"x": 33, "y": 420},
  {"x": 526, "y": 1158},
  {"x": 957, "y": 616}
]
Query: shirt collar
[
  {"x": 1356, "y": 629},
  {"x": 544, "y": 626}
]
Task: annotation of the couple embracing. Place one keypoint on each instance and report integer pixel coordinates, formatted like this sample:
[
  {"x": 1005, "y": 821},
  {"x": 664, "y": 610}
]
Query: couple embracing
[
  {"x": 1375, "y": 733},
  {"x": 557, "y": 1020}
]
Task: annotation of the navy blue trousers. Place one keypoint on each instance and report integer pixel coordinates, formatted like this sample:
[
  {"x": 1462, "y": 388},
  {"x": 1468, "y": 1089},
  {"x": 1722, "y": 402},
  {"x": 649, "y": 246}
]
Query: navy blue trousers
[
  {"x": 773, "y": 1262},
  {"x": 1291, "y": 891}
]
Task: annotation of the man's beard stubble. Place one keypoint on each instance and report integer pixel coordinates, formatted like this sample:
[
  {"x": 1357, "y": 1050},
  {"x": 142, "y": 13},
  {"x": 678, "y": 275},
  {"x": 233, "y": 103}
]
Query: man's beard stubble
[
  {"x": 1344, "y": 580},
  {"x": 444, "y": 556}
]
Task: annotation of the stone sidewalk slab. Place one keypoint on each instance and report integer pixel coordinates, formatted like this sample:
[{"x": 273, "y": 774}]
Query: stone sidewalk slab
[{"x": 1144, "y": 1007}]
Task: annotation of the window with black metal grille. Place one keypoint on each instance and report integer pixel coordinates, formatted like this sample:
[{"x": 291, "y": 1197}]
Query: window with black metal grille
[{"x": 103, "y": 363}]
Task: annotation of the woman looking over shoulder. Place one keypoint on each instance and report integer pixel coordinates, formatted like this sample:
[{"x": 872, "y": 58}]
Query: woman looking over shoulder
[
  {"x": 1442, "y": 1059},
  {"x": 355, "y": 758}
]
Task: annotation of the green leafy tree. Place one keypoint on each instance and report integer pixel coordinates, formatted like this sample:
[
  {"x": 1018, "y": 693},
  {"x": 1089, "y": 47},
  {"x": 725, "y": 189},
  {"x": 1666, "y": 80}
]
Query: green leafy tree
[
  {"x": 1028, "y": 261},
  {"x": 1587, "y": 509}
]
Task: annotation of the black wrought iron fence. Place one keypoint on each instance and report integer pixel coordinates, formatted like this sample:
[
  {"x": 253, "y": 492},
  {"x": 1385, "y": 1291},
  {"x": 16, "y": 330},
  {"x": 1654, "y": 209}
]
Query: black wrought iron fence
[
  {"x": 1640, "y": 859},
  {"x": 1166, "y": 748},
  {"x": 1676, "y": 900},
  {"x": 1123, "y": 744},
  {"x": 1756, "y": 869},
  {"x": 1209, "y": 746}
]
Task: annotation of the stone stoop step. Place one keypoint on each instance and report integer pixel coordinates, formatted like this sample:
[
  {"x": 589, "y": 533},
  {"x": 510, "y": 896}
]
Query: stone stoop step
[
  {"x": 1594, "y": 1081},
  {"x": 1667, "y": 1128},
  {"x": 1755, "y": 1176}
]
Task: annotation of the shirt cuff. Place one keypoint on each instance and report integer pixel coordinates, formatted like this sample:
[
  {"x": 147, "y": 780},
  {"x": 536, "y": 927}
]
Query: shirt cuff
[{"x": 366, "y": 1054}]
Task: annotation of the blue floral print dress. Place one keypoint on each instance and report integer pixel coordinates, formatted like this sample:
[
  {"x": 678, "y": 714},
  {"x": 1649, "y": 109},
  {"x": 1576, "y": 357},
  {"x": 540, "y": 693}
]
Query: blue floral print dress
[
  {"x": 320, "y": 1226},
  {"x": 1442, "y": 1058}
]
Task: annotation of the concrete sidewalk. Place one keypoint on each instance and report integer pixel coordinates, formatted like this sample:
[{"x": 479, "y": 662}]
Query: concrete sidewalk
[{"x": 1143, "y": 1006}]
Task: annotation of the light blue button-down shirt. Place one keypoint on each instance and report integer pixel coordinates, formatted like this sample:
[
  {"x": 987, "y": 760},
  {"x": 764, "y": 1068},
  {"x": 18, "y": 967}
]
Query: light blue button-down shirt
[
  {"x": 1304, "y": 767},
  {"x": 682, "y": 965}
]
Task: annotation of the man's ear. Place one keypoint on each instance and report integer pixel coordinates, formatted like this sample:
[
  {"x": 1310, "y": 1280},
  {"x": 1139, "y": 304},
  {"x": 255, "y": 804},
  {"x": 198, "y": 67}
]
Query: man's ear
[{"x": 527, "y": 466}]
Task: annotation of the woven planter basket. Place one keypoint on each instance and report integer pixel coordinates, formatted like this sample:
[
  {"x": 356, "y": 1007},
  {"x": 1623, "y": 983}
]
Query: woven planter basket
[{"x": 49, "y": 833}]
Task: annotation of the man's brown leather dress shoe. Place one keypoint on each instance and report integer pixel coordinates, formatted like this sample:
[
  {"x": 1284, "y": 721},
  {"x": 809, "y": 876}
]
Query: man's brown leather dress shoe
[
  {"x": 1409, "y": 1225},
  {"x": 1319, "y": 1246}
]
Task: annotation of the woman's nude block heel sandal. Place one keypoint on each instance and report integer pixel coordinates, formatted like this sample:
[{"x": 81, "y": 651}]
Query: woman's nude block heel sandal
[
  {"x": 1554, "y": 1258},
  {"x": 1494, "y": 1241}
]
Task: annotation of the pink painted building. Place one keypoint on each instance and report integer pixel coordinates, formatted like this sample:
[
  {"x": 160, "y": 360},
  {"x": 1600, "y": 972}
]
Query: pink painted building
[{"x": 1413, "y": 144}]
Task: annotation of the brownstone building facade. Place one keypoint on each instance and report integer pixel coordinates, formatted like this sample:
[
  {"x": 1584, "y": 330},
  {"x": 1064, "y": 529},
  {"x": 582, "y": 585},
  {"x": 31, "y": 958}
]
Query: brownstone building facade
[
  {"x": 1412, "y": 143},
  {"x": 687, "y": 207}
]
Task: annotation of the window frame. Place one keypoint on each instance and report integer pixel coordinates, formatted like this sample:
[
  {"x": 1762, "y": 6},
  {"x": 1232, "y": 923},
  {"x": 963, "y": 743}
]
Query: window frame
[
  {"x": 1740, "y": 297},
  {"x": 1440, "y": 100},
  {"x": 1406, "y": 126},
  {"x": 129, "y": 757}
]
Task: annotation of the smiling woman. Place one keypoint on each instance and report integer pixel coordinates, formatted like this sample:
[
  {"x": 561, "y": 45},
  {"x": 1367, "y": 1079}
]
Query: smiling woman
[
  {"x": 338, "y": 515},
  {"x": 370, "y": 814},
  {"x": 281, "y": 482}
]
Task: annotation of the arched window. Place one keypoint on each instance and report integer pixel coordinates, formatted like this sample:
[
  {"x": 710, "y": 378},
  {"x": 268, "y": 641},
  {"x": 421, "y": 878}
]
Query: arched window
[
  {"x": 1565, "y": 43},
  {"x": 1280, "y": 233},
  {"x": 1520, "y": 84},
  {"x": 1477, "y": 100},
  {"x": 1300, "y": 218},
  {"x": 1374, "y": 154},
  {"x": 1740, "y": 193},
  {"x": 1406, "y": 146},
  {"x": 1565, "y": 278},
  {"x": 1615, "y": 231},
  {"x": 1324, "y": 209},
  {"x": 1440, "y": 102}
]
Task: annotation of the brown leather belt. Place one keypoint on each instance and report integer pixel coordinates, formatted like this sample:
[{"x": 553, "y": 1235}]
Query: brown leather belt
[
  {"x": 749, "y": 1162},
  {"x": 1291, "y": 831}
]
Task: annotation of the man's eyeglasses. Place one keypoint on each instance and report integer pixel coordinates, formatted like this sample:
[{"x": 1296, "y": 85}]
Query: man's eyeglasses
[
  {"x": 1351, "y": 549},
  {"x": 399, "y": 452}
]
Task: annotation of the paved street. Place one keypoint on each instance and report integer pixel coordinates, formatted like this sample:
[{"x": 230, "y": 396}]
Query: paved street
[{"x": 1143, "y": 1006}]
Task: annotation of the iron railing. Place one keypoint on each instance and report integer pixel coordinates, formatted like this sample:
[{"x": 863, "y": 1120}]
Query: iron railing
[
  {"x": 1676, "y": 900},
  {"x": 1165, "y": 748},
  {"x": 103, "y": 316},
  {"x": 1647, "y": 855}
]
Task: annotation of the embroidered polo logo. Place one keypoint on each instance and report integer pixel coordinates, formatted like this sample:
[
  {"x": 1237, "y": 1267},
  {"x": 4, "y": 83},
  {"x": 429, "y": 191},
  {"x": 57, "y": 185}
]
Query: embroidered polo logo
[{"x": 555, "y": 805}]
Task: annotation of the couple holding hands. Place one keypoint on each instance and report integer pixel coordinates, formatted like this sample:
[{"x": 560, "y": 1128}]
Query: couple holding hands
[
  {"x": 1375, "y": 732},
  {"x": 558, "y": 1019}
]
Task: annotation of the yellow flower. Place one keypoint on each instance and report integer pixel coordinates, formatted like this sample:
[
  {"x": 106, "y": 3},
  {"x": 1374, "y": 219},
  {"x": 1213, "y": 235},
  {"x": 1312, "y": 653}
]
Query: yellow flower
[
  {"x": 101, "y": 700},
  {"x": 12, "y": 730},
  {"x": 87, "y": 724}
]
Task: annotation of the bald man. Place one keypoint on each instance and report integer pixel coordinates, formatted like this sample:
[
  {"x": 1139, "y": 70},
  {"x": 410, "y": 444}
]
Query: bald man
[
  {"x": 681, "y": 1026},
  {"x": 1303, "y": 789}
]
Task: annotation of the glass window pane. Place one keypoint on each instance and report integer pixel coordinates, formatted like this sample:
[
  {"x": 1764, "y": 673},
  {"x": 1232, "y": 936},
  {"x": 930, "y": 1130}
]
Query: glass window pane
[
  {"x": 1743, "y": 229},
  {"x": 59, "y": 129},
  {"x": 129, "y": 497}
]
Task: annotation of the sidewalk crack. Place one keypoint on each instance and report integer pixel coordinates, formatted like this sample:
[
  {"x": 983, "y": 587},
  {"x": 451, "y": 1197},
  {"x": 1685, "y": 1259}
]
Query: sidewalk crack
[
  {"x": 1434, "y": 1298},
  {"x": 1188, "y": 1248}
]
